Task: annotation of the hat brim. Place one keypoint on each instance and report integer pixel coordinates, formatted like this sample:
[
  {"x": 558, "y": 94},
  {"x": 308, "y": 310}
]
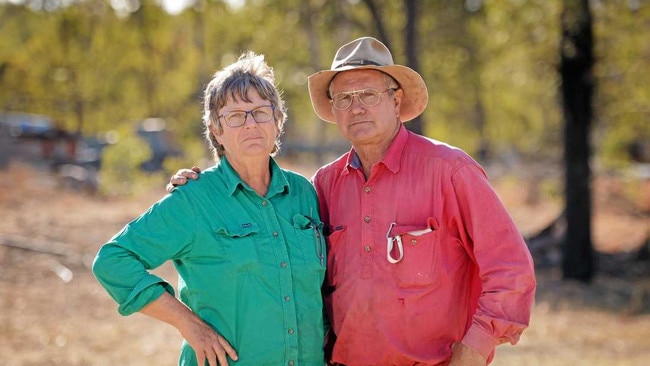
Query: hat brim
[{"x": 414, "y": 100}]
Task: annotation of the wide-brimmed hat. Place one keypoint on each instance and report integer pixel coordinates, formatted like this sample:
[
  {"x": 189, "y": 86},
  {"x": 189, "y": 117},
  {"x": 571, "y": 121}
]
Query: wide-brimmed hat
[{"x": 369, "y": 53}]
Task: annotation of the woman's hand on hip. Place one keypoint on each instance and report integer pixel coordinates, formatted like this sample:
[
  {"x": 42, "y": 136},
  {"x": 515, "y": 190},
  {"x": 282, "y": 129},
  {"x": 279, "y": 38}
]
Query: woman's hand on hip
[
  {"x": 207, "y": 344},
  {"x": 205, "y": 341}
]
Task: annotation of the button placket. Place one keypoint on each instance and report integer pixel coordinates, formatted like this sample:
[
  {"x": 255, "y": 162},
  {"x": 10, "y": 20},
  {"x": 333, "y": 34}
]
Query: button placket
[
  {"x": 275, "y": 233},
  {"x": 367, "y": 229}
]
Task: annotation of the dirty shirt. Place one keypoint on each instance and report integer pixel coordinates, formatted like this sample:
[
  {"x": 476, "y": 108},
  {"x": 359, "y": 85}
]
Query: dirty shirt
[{"x": 422, "y": 254}]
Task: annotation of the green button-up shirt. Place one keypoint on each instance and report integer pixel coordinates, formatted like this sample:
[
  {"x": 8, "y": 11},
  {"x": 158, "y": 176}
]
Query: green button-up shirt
[{"x": 250, "y": 266}]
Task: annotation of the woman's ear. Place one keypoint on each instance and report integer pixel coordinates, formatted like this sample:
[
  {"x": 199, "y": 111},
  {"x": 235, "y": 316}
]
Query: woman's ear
[{"x": 215, "y": 131}]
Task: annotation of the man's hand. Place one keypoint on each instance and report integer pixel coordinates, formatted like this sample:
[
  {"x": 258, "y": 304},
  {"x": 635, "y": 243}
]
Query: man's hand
[
  {"x": 181, "y": 177},
  {"x": 462, "y": 355}
]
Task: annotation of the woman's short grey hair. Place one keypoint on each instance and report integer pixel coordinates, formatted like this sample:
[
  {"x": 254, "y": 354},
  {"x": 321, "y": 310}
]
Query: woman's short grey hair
[{"x": 234, "y": 82}]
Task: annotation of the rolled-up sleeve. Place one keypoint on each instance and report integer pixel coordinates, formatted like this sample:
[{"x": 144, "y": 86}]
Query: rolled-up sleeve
[
  {"x": 122, "y": 264},
  {"x": 505, "y": 266}
]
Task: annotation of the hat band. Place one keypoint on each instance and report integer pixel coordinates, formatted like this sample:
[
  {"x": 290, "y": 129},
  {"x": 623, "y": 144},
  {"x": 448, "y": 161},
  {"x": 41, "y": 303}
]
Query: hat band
[{"x": 358, "y": 63}]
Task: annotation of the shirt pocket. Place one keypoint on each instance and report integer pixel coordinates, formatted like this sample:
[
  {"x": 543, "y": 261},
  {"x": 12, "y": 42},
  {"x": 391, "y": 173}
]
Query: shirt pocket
[
  {"x": 309, "y": 240},
  {"x": 420, "y": 251},
  {"x": 240, "y": 249},
  {"x": 336, "y": 238}
]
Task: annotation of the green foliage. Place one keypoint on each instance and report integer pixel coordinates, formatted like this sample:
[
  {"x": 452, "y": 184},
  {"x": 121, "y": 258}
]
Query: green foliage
[
  {"x": 491, "y": 70},
  {"x": 622, "y": 74},
  {"x": 121, "y": 173}
]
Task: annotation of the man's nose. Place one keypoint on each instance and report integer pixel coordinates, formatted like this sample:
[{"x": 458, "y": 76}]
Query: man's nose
[{"x": 356, "y": 104}]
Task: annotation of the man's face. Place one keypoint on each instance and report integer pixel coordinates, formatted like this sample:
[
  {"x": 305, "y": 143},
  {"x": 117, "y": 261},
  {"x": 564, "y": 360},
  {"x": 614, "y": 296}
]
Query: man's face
[{"x": 364, "y": 125}]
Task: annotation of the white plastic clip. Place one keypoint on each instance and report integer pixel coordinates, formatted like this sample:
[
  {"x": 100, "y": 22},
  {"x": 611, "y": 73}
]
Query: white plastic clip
[{"x": 398, "y": 238}]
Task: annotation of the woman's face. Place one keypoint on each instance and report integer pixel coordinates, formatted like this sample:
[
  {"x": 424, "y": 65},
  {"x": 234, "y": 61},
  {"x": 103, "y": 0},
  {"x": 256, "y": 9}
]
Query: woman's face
[{"x": 252, "y": 139}]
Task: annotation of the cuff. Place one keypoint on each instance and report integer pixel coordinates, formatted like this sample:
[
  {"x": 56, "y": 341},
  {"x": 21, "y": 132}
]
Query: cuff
[
  {"x": 145, "y": 292},
  {"x": 480, "y": 341}
]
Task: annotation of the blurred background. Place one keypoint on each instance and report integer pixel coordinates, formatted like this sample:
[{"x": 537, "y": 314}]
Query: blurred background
[{"x": 100, "y": 102}]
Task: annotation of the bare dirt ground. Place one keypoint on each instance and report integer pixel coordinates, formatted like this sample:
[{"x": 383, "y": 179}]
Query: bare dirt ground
[{"x": 53, "y": 312}]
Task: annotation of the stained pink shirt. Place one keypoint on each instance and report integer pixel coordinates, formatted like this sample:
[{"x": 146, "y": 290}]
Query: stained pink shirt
[{"x": 470, "y": 279}]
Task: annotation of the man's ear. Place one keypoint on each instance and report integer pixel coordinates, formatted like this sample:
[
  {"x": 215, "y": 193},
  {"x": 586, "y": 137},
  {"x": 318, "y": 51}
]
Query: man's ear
[{"x": 398, "y": 94}]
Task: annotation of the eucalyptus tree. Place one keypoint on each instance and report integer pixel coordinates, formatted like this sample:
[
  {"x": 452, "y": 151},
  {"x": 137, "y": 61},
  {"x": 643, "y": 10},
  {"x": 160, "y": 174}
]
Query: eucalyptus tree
[{"x": 578, "y": 82}]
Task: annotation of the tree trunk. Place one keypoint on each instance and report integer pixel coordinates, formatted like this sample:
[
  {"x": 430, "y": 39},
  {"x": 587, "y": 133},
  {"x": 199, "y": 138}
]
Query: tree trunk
[
  {"x": 412, "y": 52},
  {"x": 577, "y": 89},
  {"x": 379, "y": 22},
  {"x": 410, "y": 44}
]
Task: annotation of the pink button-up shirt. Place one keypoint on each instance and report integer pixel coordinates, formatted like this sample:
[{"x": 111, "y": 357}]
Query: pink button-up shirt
[{"x": 462, "y": 271}]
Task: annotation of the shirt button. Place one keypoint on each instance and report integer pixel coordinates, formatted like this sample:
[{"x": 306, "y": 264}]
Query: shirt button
[
  {"x": 290, "y": 330},
  {"x": 287, "y": 298},
  {"x": 291, "y": 363},
  {"x": 367, "y": 189},
  {"x": 414, "y": 241},
  {"x": 367, "y": 248},
  {"x": 283, "y": 264},
  {"x": 263, "y": 203},
  {"x": 366, "y": 219},
  {"x": 275, "y": 233}
]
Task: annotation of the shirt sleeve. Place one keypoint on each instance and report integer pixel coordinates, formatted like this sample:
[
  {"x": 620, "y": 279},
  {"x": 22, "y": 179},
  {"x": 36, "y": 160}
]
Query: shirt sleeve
[
  {"x": 162, "y": 233},
  {"x": 505, "y": 266}
]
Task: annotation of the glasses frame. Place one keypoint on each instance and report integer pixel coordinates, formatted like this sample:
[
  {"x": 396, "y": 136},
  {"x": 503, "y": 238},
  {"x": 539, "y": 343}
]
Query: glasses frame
[
  {"x": 246, "y": 113},
  {"x": 357, "y": 93}
]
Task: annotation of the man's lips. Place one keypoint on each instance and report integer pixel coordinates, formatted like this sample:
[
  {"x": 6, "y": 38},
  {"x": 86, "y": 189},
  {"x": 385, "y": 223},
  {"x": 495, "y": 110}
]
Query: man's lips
[{"x": 358, "y": 122}]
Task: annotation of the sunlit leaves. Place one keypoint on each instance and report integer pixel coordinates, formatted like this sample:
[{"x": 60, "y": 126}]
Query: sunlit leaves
[{"x": 490, "y": 66}]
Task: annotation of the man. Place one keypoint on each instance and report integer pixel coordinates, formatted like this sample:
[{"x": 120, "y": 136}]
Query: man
[{"x": 425, "y": 266}]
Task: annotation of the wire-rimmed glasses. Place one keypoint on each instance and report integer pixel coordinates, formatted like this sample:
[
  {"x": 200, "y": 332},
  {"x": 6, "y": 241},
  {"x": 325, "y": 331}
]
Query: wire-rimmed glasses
[{"x": 368, "y": 97}]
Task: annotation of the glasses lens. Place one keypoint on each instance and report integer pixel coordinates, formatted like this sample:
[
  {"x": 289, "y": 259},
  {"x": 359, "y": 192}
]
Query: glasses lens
[
  {"x": 342, "y": 101},
  {"x": 235, "y": 118},
  {"x": 262, "y": 114},
  {"x": 369, "y": 97}
]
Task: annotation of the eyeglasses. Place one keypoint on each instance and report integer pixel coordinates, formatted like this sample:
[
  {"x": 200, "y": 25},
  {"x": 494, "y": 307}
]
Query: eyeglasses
[
  {"x": 238, "y": 118},
  {"x": 368, "y": 97}
]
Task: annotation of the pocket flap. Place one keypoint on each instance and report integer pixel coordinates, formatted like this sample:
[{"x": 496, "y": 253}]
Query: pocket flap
[
  {"x": 415, "y": 230},
  {"x": 234, "y": 231}
]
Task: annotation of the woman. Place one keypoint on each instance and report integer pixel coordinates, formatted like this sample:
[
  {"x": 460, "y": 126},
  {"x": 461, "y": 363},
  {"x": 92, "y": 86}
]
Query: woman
[{"x": 245, "y": 239}]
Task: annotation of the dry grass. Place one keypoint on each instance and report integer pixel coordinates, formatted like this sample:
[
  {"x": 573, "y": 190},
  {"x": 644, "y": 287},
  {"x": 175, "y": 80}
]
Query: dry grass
[{"x": 50, "y": 318}]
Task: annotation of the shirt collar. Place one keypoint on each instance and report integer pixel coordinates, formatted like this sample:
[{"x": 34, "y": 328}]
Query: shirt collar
[
  {"x": 392, "y": 158},
  {"x": 279, "y": 183}
]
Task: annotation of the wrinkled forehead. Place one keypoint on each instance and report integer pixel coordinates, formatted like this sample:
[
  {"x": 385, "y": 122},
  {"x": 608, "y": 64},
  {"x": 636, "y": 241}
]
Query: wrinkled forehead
[{"x": 357, "y": 79}]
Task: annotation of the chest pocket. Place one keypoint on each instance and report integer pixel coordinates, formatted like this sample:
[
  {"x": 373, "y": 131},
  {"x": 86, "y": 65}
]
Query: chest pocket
[
  {"x": 336, "y": 254},
  {"x": 239, "y": 249},
  {"x": 309, "y": 241},
  {"x": 420, "y": 247}
]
